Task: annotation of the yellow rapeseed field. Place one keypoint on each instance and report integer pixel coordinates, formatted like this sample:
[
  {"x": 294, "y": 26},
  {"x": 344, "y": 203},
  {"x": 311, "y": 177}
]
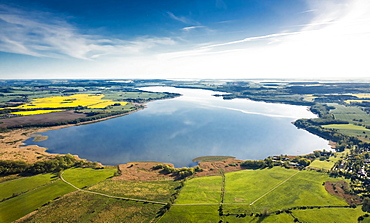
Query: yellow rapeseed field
[
  {"x": 84, "y": 100},
  {"x": 36, "y": 112}
]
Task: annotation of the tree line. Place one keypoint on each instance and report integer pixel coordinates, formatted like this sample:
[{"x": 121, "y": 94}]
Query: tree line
[{"x": 55, "y": 164}]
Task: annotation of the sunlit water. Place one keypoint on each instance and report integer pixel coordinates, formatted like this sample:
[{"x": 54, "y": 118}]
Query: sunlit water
[{"x": 195, "y": 124}]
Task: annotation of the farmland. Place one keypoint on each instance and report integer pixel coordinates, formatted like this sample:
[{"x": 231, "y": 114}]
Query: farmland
[
  {"x": 80, "y": 101},
  {"x": 22, "y": 185},
  {"x": 148, "y": 190},
  {"x": 82, "y": 177},
  {"x": 350, "y": 129},
  {"x": 53, "y": 104},
  {"x": 262, "y": 195},
  {"x": 85, "y": 207},
  {"x": 249, "y": 192},
  {"x": 351, "y": 114},
  {"x": 39, "y": 190},
  {"x": 201, "y": 190}
]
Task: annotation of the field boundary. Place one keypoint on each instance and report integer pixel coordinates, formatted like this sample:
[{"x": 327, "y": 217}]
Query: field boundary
[
  {"x": 110, "y": 196},
  {"x": 221, "y": 203}
]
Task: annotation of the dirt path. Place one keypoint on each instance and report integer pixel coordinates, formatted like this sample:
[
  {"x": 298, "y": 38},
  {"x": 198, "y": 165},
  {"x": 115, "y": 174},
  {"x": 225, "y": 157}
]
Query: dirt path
[{"x": 106, "y": 195}]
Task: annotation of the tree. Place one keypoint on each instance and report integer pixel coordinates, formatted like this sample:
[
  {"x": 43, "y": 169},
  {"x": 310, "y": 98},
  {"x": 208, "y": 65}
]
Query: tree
[{"x": 304, "y": 161}]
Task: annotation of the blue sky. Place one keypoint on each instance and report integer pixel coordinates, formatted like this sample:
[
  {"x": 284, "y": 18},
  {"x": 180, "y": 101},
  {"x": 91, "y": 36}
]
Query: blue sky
[{"x": 184, "y": 39}]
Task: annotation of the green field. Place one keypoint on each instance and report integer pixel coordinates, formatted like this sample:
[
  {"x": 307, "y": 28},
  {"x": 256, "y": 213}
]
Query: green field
[
  {"x": 21, "y": 205},
  {"x": 82, "y": 177},
  {"x": 85, "y": 207},
  {"x": 286, "y": 218},
  {"x": 329, "y": 163},
  {"x": 189, "y": 214},
  {"x": 349, "y": 114},
  {"x": 270, "y": 190},
  {"x": 318, "y": 164},
  {"x": 201, "y": 190},
  {"x": 304, "y": 189},
  {"x": 119, "y": 95},
  {"x": 148, "y": 190},
  {"x": 350, "y": 129},
  {"x": 39, "y": 192},
  {"x": 247, "y": 185},
  {"x": 18, "y": 186},
  {"x": 343, "y": 215}
]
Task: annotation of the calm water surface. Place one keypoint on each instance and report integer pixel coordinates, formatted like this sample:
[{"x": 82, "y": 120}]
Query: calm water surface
[{"x": 180, "y": 129}]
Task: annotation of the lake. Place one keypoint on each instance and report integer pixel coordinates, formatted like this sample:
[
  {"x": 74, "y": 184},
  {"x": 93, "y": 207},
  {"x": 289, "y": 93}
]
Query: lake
[{"x": 180, "y": 129}]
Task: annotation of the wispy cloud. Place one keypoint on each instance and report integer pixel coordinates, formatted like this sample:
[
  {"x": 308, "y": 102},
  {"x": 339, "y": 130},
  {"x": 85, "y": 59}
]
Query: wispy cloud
[
  {"x": 188, "y": 28},
  {"x": 43, "y": 34},
  {"x": 249, "y": 39},
  {"x": 183, "y": 19}
]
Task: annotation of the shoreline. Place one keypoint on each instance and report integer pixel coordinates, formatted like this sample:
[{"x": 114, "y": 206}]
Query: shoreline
[{"x": 12, "y": 146}]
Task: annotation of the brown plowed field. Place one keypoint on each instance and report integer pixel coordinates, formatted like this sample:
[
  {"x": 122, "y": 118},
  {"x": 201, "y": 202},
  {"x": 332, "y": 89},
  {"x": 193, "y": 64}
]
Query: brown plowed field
[{"x": 41, "y": 118}]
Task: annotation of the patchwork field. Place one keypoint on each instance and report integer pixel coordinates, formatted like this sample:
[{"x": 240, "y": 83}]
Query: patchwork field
[
  {"x": 38, "y": 190},
  {"x": 87, "y": 207},
  {"x": 256, "y": 196}
]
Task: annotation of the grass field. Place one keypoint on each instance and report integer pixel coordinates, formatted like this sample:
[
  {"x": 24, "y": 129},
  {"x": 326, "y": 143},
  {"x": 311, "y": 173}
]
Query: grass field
[
  {"x": 211, "y": 158},
  {"x": 147, "y": 190},
  {"x": 38, "y": 195},
  {"x": 189, "y": 214},
  {"x": 118, "y": 95},
  {"x": 304, "y": 189},
  {"x": 343, "y": 215},
  {"x": 349, "y": 114},
  {"x": 247, "y": 185},
  {"x": 326, "y": 165},
  {"x": 350, "y": 129},
  {"x": 21, "y": 205},
  {"x": 201, "y": 190},
  {"x": 8, "y": 189},
  {"x": 286, "y": 218},
  {"x": 270, "y": 189},
  {"x": 84, "y": 207},
  {"x": 346, "y": 126},
  {"x": 82, "y": 177},
  {"x": 329, "y": 163}
]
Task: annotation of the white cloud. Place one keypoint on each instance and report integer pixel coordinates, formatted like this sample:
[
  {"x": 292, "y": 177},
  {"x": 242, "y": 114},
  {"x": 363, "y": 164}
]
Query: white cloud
[
  {"x": 45, "y": 35},
  {"x": 188, "y": 28},
  {"x": 183, "y": 19},
  {"x": 335, "y": 43}
]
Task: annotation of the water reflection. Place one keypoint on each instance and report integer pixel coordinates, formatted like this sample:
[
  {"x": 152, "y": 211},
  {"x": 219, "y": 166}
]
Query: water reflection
[{"x": 195, "y": 124}]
